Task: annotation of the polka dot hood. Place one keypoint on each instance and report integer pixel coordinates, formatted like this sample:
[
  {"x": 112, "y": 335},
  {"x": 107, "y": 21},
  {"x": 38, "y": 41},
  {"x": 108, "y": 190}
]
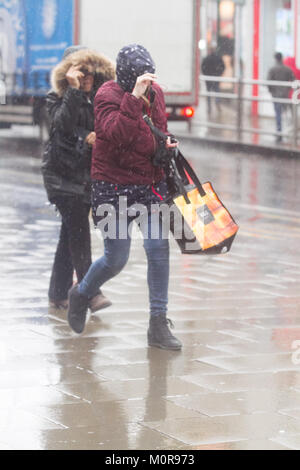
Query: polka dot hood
[{"x": 132, "y": 62}]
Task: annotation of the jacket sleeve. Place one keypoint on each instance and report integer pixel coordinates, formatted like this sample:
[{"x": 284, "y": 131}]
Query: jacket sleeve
[
  {"x": 270, "y": 77},
  {"x": 204, "y": 67},
  {"x": 118, "y": 122},
  {"x": 64, "y": 111},
  {"x": 291, "y": 76}
]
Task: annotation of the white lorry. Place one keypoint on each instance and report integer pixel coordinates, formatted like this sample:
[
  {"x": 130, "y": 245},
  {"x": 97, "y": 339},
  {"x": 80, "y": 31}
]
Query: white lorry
[{"x": 169, "y": 29}]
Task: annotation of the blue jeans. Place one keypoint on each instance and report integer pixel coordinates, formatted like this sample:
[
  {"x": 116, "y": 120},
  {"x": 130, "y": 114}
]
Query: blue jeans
[
  {"x": 278, "y": 113},
  {"x": 116, "y": 255}
]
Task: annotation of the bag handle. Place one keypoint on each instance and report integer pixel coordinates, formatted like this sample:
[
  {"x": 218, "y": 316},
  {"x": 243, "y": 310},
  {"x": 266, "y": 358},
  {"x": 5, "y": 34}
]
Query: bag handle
[
  {"x": 180, "y": 161},
  {"x": 187, "y": 167}
]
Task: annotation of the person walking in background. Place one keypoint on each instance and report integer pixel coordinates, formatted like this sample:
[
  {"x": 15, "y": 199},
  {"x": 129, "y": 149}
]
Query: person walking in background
[
  {"x": 67, "y": 165},
  {"x": 122, "y": 168},
  {"x": 281, "y": 73},
  {"x": 213, "y": 65}
]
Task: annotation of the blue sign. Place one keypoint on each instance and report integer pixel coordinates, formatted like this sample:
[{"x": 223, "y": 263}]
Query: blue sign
[
  {"x": 49, "y": 33},
  {"x": 37, "y": 32},
  {"x": 13, "y": 40}
]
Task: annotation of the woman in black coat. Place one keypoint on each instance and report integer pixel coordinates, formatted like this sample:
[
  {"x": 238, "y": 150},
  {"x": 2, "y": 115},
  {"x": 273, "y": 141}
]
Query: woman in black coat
[{"x": 67, "y": 165}]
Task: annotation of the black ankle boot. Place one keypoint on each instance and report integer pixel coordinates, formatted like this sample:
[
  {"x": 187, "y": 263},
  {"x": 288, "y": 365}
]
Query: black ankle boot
[
  {"x": 160, "y": 336},
  {"x": 78, "y": 307}
]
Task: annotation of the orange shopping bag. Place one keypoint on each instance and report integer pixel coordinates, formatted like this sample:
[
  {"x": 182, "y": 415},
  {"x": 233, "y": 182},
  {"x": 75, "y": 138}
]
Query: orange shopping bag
[
  {"x": 199, "y": 221},
  {"x": 197, "y": 218}
]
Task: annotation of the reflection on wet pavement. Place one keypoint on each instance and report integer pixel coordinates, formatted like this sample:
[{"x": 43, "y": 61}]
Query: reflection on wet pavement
[{"x": 235, "y": 385}]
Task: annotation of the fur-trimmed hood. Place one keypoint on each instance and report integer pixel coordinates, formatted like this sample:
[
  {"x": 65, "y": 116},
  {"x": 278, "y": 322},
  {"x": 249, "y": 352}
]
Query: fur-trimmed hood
[{"x": 103, "y": 67}]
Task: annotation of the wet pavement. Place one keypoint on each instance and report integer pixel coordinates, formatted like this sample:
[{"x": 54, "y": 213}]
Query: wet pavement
[{"x": 235, "y": 385}]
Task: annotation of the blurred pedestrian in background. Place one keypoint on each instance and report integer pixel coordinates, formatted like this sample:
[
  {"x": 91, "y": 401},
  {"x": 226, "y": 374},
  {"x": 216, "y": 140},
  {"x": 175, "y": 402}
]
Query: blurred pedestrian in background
[
  {"x": 213, "y": 65},
  {"x": 291, "y": 63},
  {"x": 281, "y": 73},
  {"x": 67, "y": 165},
  {"x": 122, "y": 167}
]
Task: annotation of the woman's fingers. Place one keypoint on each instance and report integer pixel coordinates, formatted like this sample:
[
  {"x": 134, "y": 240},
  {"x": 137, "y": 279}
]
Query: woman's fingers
[
  {"x": 142, "y": 83},
  {"x": 148, "y": 76},
  {"x": 75, "y": 70},
  {"x": 91, "y": 138},
  {"x": 170, "y": 144},
  {"x": 74, "y": 75}
]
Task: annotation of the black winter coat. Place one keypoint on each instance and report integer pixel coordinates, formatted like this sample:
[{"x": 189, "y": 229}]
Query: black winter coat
[
  {"x": 213, "y": 65},
  {"x": 67, "y": 159}
]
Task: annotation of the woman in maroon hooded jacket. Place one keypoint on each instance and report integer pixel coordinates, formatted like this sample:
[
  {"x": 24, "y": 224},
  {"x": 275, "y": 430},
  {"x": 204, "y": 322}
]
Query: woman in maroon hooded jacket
[{"x": 122, "y": 168}]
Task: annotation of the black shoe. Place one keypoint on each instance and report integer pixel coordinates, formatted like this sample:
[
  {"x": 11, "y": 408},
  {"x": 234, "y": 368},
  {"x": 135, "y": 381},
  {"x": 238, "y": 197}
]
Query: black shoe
[
  {"x": 78, "y": 307},
  {"x": 160, "y": 336}
]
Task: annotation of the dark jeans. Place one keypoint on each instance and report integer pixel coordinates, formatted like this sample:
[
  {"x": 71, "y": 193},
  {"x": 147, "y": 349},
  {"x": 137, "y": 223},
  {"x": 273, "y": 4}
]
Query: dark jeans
[
  {"x": 116, "y": 254},
  {"x": 74, "y": 246},
  {"x": 278, "y": 113},
  {"x": 213, "y": 87}
]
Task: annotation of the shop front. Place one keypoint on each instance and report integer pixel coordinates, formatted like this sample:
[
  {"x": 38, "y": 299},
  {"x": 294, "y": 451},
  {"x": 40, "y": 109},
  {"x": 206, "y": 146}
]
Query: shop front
[
  {"x": 247, "y": 34},
  {"x": 221, "y": 30},
  {"x": 277, "y": 32},
  {"x": 276, "y": 27}
]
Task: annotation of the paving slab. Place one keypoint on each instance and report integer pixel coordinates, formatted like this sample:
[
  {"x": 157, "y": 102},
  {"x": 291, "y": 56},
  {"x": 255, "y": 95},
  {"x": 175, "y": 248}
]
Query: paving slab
[{"x": 205, "y": 430}]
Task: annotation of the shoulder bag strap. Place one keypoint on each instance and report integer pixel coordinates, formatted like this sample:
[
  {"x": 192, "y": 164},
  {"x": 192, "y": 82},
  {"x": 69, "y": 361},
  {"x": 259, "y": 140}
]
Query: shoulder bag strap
[
  {"x": 180, "y": 161},
  {"x": 187, "y": 167}
]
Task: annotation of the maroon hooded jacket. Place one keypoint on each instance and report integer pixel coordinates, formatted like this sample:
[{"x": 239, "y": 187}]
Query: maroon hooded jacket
[{"x": 125, "y": 144}]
